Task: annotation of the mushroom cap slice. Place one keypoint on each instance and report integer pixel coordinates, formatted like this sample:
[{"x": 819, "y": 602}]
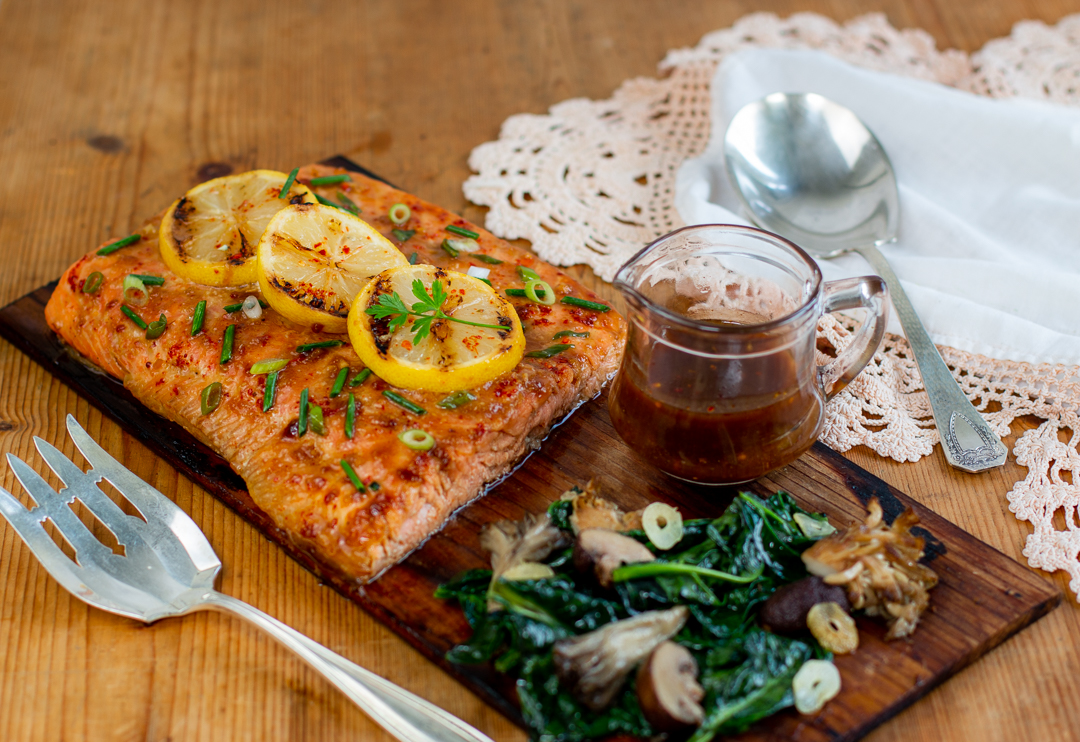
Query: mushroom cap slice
[{"x": 668, "y": 689}]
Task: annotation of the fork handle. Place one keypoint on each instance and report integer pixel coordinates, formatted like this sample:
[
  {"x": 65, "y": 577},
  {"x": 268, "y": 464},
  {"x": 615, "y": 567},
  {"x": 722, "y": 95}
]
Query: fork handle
[{"x": 405, "y": 715}]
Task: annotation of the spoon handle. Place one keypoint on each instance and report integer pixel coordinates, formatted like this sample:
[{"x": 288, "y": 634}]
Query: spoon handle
[{"x": 967, "y": 441}]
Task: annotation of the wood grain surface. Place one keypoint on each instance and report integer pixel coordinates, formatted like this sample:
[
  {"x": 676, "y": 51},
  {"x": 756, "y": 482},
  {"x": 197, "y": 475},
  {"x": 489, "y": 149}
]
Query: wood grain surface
[
  {"x": 982, "y": 599},
  {"x": 108, "y": 111}
]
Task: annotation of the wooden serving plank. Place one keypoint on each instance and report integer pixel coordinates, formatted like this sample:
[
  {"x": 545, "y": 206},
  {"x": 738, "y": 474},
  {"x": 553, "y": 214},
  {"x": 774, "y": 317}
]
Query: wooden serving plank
[{"x": 983, "y": 598}]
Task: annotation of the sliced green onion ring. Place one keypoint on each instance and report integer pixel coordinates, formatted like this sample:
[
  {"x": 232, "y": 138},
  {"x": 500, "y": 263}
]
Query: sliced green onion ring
[
  {"x": 135, "y": 292},
  {"x": 403, "y": 235},
  {"x": 416, "y": 439},
  {"x": 156, "y": 328},
  {"x": 210, "y": 398},
  {"x": 92, "y": 283},
  {"x": 268, "y": 366},
  {"x": 399, "y": 213},
  {"x": 252, "y": 307},
  {"x": 545, "y": 296},
  {"x": 527, "y": 274}
]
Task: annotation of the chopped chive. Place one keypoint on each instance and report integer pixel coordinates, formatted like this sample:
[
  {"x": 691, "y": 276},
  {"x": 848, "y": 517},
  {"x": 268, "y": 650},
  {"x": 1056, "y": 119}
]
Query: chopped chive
[
  {"x": 417, "y": 440},
  {"x": 486, "y": 258},
  {"x": 550, "y": 351},
  {"x": 374, "y": 487},
  {"x": 450, "y": 249},
  {"x": 198, "y": 317},
  {"x": 484, "y": 280},
  {"x": 413, "y": 258},
  {"x": 271, "y": 390},
  {"x": 227, "y": 344},
  {"x": 455, "y": 400},
  {"x": 284, "y": 195},
  {"x": 527, "y": 274},
  {"x": 351, "y": 474},
  {"x": 404, "y": 403},
  {"x": 134, "y": 317},
  {"x": 92, "y": 283},
  {"x": 569, "y": 334},
  {"x": 301, "y": 423},
  {"x": 149, "y": 280},
  {"x": 210, "y": 398},
  {"x": 339, "y": 382},
  {"x": 329, "y": 180},
  {"x": 347, "y": 204},
  {"x": 268, "y": 367},
  {"x": 315, "y": 419},
  {"x": 585, "y": 303},
  {"x": 399, "y": 213},
  {"x": 156, "y": 328},
  {"x": 131, "y": 239},
  {"x": 516, "y": 292},
  {"x": 360, "y": 378},
  {"x": 462, "y": 231},
  {"x": 350, "y": 416},
  {"x": 135, "y": 292},
  {"x": 327, "y": 202},
  {"x": 403, "y": 235},
  {"x": 321, "y": 344}
]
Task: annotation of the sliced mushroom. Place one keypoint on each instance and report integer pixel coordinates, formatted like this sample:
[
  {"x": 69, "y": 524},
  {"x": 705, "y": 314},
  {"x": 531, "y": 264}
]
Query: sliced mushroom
[
  {"x": 594, "y": 666},
  {"x": 600, "y": 552},
  {"x": 668, "y": 689}
]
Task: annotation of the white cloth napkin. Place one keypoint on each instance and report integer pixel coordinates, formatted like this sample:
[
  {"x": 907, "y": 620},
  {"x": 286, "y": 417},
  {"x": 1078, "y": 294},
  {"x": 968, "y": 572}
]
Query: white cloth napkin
[{"x": 989, "y": 238}]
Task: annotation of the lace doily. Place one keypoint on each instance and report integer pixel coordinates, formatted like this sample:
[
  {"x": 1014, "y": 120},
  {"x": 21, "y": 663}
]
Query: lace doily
[{"x": 593, "y": 182}]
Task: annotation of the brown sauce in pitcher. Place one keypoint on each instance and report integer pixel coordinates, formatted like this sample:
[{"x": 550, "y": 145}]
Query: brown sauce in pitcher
[{"x": 717, "y": 421}]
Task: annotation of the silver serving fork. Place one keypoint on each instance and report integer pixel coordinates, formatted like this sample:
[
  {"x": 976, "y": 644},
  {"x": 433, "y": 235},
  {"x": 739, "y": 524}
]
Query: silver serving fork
[{"x": 168, "y": 569}]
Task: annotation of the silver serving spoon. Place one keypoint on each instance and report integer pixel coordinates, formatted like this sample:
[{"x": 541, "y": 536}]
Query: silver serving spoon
[{"x": 809, "y": 170}]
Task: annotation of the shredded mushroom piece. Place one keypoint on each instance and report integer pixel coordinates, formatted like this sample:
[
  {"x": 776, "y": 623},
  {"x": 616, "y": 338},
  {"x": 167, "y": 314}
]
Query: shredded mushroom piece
[
  {"x": 879, "y": 567},
  {"x": 594, "y": 666},
  {"x": 591, "y": 510},
  {"x": 512, "y": 543}
]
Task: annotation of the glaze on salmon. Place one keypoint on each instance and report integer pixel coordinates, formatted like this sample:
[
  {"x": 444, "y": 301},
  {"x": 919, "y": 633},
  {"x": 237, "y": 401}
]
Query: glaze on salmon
[{"x": 299, "y": 481}]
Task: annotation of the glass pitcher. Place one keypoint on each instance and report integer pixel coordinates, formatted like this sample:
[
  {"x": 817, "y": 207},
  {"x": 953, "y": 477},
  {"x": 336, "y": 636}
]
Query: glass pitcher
[{"x": 719, "y": 383}]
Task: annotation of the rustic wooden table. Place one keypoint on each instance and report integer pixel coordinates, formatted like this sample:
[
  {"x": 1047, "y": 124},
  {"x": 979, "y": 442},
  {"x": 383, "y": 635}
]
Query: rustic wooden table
[{"x": 109, "y": 110}]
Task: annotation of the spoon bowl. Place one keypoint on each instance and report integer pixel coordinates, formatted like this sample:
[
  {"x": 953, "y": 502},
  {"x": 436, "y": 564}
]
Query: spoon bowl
[{"x": 809, "y": 170}]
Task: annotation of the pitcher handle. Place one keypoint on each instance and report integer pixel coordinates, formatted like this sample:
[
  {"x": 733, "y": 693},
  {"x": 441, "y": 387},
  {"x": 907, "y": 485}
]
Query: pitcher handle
[{"x": 867, "y": 292}]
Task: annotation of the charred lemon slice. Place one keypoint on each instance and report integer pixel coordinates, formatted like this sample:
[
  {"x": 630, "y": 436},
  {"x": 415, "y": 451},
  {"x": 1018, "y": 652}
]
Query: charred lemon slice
[
  {"x": 209, "y": 236},
  {"x": 422, "y": 327},
  {"x": 315, "y": 259}
]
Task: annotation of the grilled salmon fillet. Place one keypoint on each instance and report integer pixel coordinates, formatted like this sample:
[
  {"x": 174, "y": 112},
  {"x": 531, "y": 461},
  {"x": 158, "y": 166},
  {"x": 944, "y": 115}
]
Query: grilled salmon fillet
[{"x": 299, "y": 481}]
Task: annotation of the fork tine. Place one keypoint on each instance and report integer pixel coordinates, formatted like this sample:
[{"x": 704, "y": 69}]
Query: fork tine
[
  {"x": 83, "y": 485},
  {"x": 28, "y": 524},
  {"x": 165, "y": 521},
  {"x": 55, "y": 507}
]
